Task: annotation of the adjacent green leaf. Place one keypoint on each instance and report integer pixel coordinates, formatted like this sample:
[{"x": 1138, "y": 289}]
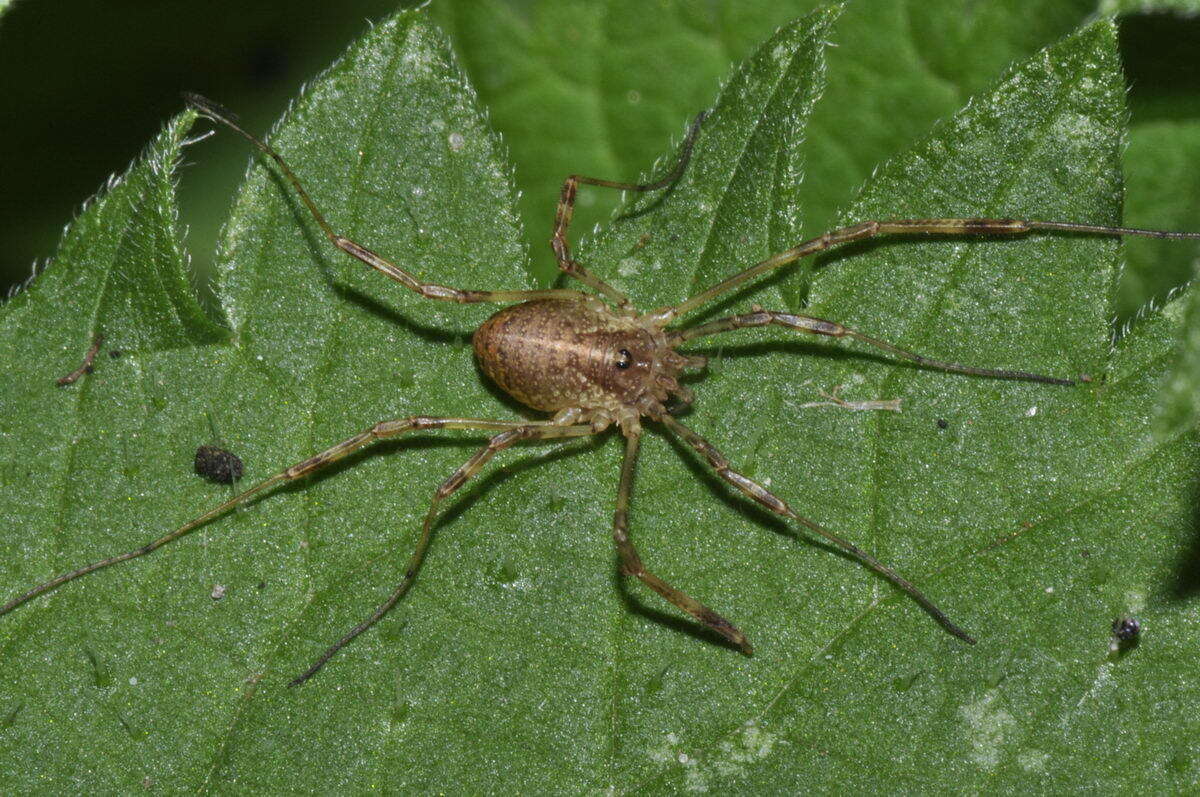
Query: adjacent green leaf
[
  {"x": 1164, "y": 193},
  {"x": 598, "y": 88},
  {"x": 80, "y": 462},
  {"x": 522, "y": 660},
  {"x": 1179, "y": 401},
  {"x": 1162, "y": 161},
  {"x": 1163, "y": 169},
  {"x": 1147, "y": 6}
]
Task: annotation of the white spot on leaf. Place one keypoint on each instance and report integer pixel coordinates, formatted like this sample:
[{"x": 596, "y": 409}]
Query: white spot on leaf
[
  {"x": 989, "y": 728},
  {"x": 1033, "y": 760}
]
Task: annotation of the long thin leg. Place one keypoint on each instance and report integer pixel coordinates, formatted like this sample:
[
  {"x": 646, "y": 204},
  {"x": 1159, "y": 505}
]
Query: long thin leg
[
  {"x": 566, "y": 209},
  {"x": 632, "y": 565},
  {"x": 759, "y": 493},
  {"x": 819, "y": 326},
  {"x": 429, "y": 290},
  {"x": 870, "y": 229},
  {"x": 314, "y": 463},
  {"x": 528, "y": 431}
]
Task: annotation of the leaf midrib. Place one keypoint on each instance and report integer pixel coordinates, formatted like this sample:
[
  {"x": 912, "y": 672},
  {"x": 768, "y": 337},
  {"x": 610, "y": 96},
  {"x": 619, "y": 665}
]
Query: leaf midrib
[
  {"x": 927, "y": 326},
  {"x": 739, "y": 168}
]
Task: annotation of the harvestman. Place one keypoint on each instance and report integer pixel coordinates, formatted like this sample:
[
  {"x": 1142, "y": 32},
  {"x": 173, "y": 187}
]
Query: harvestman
[{"x": 594, "y": 360}]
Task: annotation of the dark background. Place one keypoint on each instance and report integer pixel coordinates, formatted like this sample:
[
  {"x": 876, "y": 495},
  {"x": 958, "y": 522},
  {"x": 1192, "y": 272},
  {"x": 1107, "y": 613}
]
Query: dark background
[{"x": 87, "y": 84}]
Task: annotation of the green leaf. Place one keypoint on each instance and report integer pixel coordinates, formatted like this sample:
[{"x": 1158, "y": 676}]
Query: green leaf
[
  {"x": 1163, "y": 168},
  {"x": 1148, "y": 6},
  {"x": 1162, "y": 162},
  {"x": 577, "y": 86},
  {"x": 1179, "y": 400},
  {"x": 522, "y": 660}
]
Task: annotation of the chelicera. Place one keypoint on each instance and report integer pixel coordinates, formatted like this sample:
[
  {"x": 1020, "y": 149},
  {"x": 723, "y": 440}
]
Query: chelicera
[{"x": 592, "y": 361}]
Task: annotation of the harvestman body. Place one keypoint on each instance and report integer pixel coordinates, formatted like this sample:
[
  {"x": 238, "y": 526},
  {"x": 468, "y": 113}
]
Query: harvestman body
[{"x": 593, "y": 360}]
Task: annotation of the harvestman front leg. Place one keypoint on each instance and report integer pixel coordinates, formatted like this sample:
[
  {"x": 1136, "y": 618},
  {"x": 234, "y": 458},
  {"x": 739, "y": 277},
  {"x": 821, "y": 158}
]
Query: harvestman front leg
[
  {"x": 514, "y": 433},
  {"x": 631, "y": 563},
  {"x": 429, "y": 290},
  {"x": 566, "y": 209},
  {"x": 819, "y": 326},
  {"x": 959, "y": 227},
  {"x": 768, "y": 499}
]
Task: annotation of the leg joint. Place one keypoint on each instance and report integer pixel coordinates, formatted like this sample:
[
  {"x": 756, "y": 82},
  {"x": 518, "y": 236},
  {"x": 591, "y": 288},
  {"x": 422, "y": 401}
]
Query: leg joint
[{"x": 456, "y": 480}]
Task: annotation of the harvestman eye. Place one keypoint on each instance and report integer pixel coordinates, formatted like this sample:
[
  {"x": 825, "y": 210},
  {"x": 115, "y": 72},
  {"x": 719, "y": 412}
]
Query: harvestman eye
[{"x": 541, "y": 350}]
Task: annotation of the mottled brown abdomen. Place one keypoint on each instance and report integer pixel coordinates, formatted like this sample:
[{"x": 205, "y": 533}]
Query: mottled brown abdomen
[{"x": 555, "y": 354}]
